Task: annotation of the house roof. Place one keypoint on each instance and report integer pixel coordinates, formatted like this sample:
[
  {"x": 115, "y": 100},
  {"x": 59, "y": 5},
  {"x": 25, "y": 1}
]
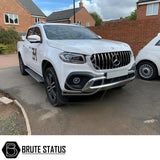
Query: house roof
[
  {"x": 31, "y": 7},
  {"x": 141, "y": 1},
  {"x": 62, "y": 15}
]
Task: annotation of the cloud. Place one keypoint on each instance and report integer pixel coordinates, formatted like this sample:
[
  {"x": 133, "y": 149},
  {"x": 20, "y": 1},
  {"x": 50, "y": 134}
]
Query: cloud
[
  {"x": 109, "y": 9},
  {"x": 89, "y": 5}
]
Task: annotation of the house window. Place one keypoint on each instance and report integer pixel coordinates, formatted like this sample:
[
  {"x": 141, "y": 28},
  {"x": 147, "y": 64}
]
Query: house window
[
  {"x": 152, "y": 9},
  {"x": 11, "y": 18},
  {"x": 37, "y": 19},
  {"x": 88, "y": 24},
  {"x": 79, "y": 22}
]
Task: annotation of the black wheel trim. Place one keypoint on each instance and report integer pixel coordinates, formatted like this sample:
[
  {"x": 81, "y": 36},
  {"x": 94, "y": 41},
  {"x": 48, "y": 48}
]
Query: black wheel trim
[{"x": 51, "y": 86}]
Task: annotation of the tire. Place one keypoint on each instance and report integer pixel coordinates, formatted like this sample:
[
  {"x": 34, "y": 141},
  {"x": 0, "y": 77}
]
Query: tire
[
  {"x": 147, "y": 70},
  {"x": 22, "y": 66},
  {"x": 52, "y": 87}
]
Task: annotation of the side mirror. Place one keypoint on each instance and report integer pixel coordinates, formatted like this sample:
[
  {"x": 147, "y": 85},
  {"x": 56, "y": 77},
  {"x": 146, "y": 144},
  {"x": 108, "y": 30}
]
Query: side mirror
[
  {"x": 99, "y": 37},
  {"x": 34, "y": 39}
]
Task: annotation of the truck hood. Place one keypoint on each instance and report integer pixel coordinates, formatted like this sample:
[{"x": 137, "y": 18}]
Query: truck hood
[{"x": 89, "y": 47}]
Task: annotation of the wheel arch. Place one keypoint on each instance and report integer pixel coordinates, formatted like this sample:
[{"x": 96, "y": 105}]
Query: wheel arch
[
  {"x": 45, "y": 64},
  {"x": 19, "y": 53}
]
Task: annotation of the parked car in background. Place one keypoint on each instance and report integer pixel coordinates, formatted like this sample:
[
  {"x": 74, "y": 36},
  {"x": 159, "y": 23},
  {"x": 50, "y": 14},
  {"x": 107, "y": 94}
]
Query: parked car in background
[
  {"x": 148, "y": 60},
  {"x": 72, "y": 60}
]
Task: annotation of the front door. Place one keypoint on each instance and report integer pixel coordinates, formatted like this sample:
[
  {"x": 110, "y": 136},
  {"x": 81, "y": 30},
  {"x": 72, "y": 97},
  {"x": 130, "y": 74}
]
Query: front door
[{"x": 35, "y": 52}]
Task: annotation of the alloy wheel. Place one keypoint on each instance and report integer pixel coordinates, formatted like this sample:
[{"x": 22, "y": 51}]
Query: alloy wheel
[{"x": 51, "y": 86}]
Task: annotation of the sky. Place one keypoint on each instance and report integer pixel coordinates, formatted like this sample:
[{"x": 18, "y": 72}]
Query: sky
[{"x": 107, "y": 9}]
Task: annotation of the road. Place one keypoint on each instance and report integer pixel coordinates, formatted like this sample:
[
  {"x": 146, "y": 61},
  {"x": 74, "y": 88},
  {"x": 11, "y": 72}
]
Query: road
[{"x": 117, "y": 112}]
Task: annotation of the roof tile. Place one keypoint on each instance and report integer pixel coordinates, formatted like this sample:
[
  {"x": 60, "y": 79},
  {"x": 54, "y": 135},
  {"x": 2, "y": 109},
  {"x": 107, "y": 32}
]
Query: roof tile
[
  {"x": 31, "y": 7},
  {"x": 62, "y": 15}
]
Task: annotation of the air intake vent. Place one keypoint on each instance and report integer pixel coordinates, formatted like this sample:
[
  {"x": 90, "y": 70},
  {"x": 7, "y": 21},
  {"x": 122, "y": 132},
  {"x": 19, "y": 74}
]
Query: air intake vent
[{"x": 111, "y": 60}]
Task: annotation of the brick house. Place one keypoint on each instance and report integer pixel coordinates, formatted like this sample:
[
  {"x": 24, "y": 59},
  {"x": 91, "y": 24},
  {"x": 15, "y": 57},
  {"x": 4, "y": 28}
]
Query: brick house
[
  {"x": 67, "y": 16},
  {"x": 19, "y": 14},
  {"x": 147, "y": 9}
]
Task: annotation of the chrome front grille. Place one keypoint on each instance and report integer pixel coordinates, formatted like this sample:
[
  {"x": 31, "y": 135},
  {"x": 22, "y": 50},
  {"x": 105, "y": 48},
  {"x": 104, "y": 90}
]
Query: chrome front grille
[{"x": 111, "y": 60}]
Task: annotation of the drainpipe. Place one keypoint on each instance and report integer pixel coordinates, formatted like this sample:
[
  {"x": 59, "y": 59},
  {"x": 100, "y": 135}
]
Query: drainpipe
[{"x": 74, "y": 6}]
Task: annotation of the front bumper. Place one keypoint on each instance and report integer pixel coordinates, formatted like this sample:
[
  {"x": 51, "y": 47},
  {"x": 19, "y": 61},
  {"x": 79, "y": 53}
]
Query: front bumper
[
  {"x": 97, "y": 84},
  {"x": 102, "y": 83}
]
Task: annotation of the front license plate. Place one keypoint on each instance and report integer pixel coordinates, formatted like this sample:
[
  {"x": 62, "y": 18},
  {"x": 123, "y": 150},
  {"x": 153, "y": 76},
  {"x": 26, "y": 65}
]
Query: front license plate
[{"x": 115, "y": 74}]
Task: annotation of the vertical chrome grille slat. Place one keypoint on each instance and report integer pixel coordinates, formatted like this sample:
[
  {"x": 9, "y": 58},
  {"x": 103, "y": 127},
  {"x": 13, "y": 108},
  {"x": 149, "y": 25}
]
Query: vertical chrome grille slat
[
  {"x": 95, "y": 64},
  {"x": 98, "y": 61},
  {"x": 107, "y": 60},
  {"x": 120, "y": 53},
  {"x": 127, "y": 57},
  {"x": 124, "y": 60},
  {"x": 104, "y": 61}
]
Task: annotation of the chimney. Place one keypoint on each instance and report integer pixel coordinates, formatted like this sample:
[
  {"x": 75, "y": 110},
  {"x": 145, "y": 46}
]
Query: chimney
[{"x": 80, "y": 4}]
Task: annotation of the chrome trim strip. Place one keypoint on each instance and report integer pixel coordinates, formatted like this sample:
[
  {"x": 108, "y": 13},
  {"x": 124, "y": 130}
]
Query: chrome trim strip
[
  {"x": 89, "y": 86},
  {"x": 113, "y": 84}
]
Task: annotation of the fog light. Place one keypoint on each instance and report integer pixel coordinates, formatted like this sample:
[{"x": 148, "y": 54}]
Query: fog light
[{"x": 76, "y": 80}]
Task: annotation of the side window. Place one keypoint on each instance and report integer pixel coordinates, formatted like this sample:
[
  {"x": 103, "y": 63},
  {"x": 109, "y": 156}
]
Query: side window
[
  {"x": 158, "y": 43},
  {"x": 30, "y": 32},
  {"x": 37, "y": 32},
  {"x": 34, "y": 31}
]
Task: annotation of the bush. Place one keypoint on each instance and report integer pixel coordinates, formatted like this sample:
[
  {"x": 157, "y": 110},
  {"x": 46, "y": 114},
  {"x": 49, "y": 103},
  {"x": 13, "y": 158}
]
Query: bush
[
  {"x": 8, "y": 40},
  {"x": 2, "y": 48}
]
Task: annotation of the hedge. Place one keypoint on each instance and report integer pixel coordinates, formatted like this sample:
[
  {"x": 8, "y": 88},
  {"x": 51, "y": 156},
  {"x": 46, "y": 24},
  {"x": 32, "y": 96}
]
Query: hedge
[{"x": 8, "y": 40}]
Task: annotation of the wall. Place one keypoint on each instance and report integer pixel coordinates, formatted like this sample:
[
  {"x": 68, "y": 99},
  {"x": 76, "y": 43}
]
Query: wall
[
  {"x": 13, "y": 7},
  {"x": 142, "y": 10},
  {"x": 136, "y": 33},
  {"x": 84, "y": 17}
]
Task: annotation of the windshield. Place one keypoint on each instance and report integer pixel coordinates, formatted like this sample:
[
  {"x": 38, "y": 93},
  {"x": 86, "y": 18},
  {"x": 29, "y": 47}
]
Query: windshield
[{"x": 64, "y": 32}]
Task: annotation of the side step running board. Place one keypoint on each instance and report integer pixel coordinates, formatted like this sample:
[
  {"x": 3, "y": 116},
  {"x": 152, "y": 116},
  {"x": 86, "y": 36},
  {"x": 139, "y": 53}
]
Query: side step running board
[{"x": 36, "y": 76}]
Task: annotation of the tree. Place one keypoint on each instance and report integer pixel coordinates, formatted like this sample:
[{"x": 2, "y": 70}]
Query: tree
[
  {"x": 97, "y": 18},
  {"x": 133, "y": 16}
]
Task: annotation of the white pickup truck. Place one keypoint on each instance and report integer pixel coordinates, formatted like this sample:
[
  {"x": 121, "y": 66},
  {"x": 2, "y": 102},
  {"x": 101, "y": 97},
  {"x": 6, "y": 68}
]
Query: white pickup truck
[{"x": 72, "y": 60}]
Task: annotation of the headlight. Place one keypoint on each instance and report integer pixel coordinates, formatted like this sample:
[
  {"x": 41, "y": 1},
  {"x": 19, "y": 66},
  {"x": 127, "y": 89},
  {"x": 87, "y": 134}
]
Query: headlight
[{"x": 73, "y": 58}]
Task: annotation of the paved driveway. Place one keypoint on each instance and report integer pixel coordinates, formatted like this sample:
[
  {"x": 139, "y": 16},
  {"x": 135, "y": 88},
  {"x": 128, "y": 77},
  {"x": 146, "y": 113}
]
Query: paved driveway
[
  {"x": 116, "y": 112},
  {"x": 9, "y": 60}
]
